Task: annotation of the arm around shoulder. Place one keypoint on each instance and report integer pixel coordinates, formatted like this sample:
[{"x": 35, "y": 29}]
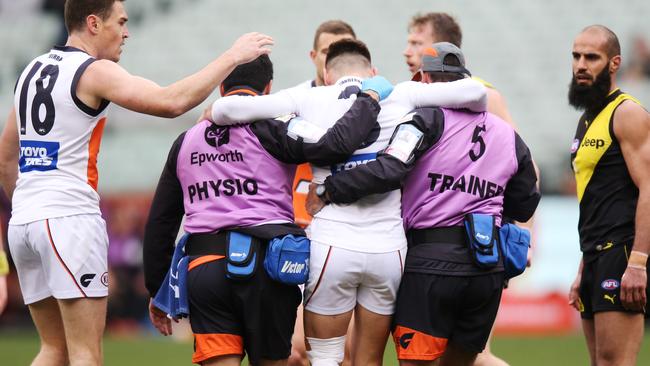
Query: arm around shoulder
[
  {"x": 464, "y": 93},
  {"x": 245, "y": 109}
]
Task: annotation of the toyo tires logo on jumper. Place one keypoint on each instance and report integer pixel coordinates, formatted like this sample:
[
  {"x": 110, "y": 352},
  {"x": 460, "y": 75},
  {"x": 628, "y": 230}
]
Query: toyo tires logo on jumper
[
  {"x": 355, "y": 160},
  {"x": 38, "y": 155}
]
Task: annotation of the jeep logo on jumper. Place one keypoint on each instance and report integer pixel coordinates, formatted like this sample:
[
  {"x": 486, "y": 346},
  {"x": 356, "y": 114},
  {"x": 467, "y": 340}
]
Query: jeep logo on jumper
[
  {"x": 217, "y": 135},
  {"x": 292, "y": 267},
  {"x": 38, "y": 155},
  {"x": 355, "y": 160},
  {"x": 597, "y": 143}
]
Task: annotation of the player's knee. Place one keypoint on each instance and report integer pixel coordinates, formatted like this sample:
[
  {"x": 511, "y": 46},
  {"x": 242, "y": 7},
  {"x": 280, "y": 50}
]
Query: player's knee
[
  {"x": 326, "y": 352},
  {"x": 608, "y": 356},
  {"x": 84, "y": 356}
]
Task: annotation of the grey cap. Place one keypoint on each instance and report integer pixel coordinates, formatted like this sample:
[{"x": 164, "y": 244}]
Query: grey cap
[{"x": 433, "y": 58}]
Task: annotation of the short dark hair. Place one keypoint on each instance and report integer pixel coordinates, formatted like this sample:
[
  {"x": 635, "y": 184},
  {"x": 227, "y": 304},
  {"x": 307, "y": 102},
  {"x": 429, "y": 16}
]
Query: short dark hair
[
  {"x": 76, "y": 11},
  {"x": 612, "y": 45},
  {"x": 347, "y": 47},
  {"x": 333, "y": 27},
  {"x": 442, "y": 76},
  {"x": 445, "y": 27},
  {"x": 255, "y": 74}
]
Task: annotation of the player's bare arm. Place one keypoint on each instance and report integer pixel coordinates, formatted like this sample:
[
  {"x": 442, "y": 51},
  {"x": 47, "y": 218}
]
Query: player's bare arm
[
  {"x": 497, "y": 105},
  {"x": 105, "y": 79},
  {"x": 9, "y": 155},
  {"x": 632, "y": 129}
]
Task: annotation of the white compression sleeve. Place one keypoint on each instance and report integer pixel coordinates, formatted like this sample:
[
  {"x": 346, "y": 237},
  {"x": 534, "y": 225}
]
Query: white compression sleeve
[
  {"x": 244, "y": 109},
  {"x": 465, "y": 93}
]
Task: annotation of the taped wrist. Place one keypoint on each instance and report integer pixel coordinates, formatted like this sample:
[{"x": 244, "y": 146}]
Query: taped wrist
[{"x": 637, "y": 260}]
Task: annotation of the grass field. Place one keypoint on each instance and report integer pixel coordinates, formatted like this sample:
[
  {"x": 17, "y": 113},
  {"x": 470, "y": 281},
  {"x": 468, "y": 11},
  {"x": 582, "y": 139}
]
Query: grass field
[{"x": 18, "y": 349}]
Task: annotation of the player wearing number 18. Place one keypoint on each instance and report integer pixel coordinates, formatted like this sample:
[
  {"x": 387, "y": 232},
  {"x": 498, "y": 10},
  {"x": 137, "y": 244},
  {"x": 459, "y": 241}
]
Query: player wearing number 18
[
  {"x": 450, "y": 164},
  {"x": 48, "y": 165}
]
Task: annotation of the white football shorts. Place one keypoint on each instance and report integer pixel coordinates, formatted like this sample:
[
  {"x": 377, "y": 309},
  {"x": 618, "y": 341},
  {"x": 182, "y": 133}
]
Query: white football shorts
[
  {"x": 340, "y": 278},
  {"x": 63, "y": 257}
]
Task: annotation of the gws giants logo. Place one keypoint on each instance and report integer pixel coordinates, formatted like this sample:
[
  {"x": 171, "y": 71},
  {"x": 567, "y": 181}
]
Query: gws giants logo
[
  {"x": 217, "y": 135},
  {"x": 405, "y": 339},
  {"x": 86, "y": 279}
]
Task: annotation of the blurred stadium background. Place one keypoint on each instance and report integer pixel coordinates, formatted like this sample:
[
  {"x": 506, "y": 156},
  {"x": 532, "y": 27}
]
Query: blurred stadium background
[{"x": 522, "y": 47}]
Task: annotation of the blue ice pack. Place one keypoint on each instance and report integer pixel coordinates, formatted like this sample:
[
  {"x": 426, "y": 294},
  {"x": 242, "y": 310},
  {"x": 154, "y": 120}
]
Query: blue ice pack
[
  {"x": 514, "y": 242},
  {"x": 483, "y": 245},
  {"x": 242, "y": 256},
  {"x": 287, "y": 259}
]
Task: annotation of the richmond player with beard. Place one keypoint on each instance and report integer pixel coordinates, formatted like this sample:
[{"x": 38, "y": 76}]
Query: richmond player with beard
[
  {"x": 611, "y": 161},
  {"x": 589, "y": 97}
]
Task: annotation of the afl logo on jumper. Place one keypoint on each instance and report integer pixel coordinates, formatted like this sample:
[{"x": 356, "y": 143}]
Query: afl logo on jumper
[
  {"x": 609, "y": 284},
  {"x": 575, "y": 145},
  {"x": 38, "y": 155},
  {"x": 217, "y": 135}
]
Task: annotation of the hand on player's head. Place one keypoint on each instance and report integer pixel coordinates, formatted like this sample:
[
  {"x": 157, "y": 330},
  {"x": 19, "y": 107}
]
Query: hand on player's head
[{"x": 250, "y": 46}]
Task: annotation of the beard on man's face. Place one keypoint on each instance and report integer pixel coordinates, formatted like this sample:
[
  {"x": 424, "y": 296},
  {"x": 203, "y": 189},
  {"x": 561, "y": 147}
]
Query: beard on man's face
[{"x": 589, "y": 97}]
